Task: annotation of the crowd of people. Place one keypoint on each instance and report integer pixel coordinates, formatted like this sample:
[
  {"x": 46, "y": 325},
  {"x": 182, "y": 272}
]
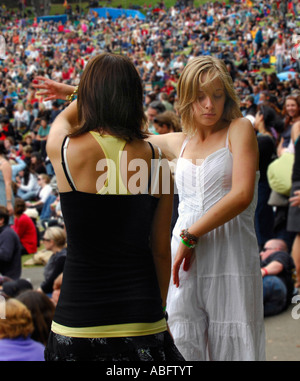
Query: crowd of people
[{"x": 259, "y": 45}]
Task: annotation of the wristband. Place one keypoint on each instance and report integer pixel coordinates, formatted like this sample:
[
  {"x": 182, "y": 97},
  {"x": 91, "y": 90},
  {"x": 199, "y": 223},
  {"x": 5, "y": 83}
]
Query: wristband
[
  {"x": 188, "y": 239},
  {"x": 265, "y": 271}
]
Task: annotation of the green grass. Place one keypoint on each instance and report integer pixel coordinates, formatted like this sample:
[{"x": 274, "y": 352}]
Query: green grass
[
  {"x": 25, "y": 258},
  {"x": 57, "y": 9}
]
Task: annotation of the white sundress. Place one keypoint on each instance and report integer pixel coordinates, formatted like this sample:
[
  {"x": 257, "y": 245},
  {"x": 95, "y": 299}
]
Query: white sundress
[{"x": 217, "y": 311}]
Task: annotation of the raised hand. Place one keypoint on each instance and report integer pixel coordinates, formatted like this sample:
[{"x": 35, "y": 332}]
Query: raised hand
[{"x": 51, "y": 90}]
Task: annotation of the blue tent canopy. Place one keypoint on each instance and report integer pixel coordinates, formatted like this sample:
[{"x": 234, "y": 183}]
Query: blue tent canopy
[
  {"x": 284, "y": 76},
  {"x": 62, "y": 18},
  {"x": 114, "y": 13}
]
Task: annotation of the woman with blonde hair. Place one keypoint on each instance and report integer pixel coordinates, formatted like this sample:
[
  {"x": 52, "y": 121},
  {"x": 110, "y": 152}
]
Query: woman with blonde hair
[
  {"x": 214, "y": 303},
  {"x": 15, "y": 330},
  {"x": 54, "y": 240}
]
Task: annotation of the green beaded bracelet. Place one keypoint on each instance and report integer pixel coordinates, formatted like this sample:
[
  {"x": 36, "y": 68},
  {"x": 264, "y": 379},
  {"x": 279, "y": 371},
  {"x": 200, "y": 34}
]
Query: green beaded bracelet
[{"x": 186, "y": 244}]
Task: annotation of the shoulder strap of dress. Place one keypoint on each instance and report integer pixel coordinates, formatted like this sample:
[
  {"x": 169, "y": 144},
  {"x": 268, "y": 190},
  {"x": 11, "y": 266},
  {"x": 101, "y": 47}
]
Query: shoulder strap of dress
[
  {"x": 227, "y": 139},
  {"x": 153, "y": 157},
  {"x": 183, "y": 146},
  {"x": 64, "y": 162}
]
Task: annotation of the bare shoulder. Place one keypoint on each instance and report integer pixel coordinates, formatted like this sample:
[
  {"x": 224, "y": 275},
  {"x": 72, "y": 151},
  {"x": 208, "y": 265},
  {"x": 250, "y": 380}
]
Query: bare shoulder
[
  {"x": 241, "y": 127},
  {"x": 240, "y": 123}
]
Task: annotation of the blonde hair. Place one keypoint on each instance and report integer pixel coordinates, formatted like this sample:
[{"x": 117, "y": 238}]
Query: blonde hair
[
  {"x": 188, "y": 89},
  {"x": 56, "y": 234},
  {"x": 17, "y": 322},
  {"x": 45, "y": 177}
]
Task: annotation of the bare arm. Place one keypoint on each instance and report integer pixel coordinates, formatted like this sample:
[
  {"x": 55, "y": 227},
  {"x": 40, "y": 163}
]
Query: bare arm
[
  {"x": 295, "y": 131},
  {"x": 7, "y": 176},
  {"x": 272, "y": 268},
  {"x": 170, "y": 144},
  {"x": 65, "y": 123},
  {"x": 295, "y": 199},
  {"x": 160, "y": 239},
  {"x": 245, "y": 162}
]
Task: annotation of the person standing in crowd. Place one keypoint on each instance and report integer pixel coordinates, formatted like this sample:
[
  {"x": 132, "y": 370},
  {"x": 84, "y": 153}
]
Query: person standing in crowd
[
  {"x": 265, "y": 120},
  {"x": 280, "y": 53},
  {"x": 220, "y": 152},
  {"x": 116, "y": 290},
  {"x": 291, "y": 112},
  {"x": 293, "y": 220},
  {"x": 6, "y": 191},
  {"x": 10, "y": 247},
  {"x": 42, "y": 136},
  {"x": 214, "y": 292},
  {"x": 277, "y": 268}
]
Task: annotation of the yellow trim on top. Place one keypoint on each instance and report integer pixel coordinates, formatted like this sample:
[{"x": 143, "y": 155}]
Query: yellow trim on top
[
  {"x": 112, "y": 148},
  {"x": 115, "y": 330}
]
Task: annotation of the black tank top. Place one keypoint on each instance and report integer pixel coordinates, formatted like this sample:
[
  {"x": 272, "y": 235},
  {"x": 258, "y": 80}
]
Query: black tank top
[
  {"x": 296, "y": 168},
  {"x": 109, "y": 274}
]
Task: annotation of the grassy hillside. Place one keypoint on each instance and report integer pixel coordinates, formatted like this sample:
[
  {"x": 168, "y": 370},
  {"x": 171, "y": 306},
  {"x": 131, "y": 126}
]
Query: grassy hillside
[{"x": 59, "y": 8}]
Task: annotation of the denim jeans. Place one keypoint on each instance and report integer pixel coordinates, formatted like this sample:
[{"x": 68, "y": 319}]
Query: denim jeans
[{"x": 275, "y": 294}]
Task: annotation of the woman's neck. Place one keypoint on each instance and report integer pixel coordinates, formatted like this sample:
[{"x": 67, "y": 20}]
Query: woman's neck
[
  {"x": 56, "y": 249},
  {"x": 262, "y": 129}
]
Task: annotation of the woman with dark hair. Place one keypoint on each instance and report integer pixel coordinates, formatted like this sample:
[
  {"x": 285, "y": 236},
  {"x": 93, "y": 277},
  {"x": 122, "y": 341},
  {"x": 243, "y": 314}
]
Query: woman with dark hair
[
  {"x": 27, "y": 184},
  {"x": 37, "y": 164},
  {"x": 42, "y": 312},
  {"x": 25, "y": 228},
  {"x": 291, "y": 111},
  {"x": 265, "y": 124},
  {"x": 117, "y": 269}
]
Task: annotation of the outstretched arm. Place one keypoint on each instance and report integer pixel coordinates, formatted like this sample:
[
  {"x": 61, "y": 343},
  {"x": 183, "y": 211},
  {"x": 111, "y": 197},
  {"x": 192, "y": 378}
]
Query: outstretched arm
[{"x": 51, "y": 90}]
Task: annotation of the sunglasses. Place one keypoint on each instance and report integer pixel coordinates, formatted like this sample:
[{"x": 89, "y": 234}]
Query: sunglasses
[
  {"x": 46, "y": 239},
  {"x": 266, "y": 248}
]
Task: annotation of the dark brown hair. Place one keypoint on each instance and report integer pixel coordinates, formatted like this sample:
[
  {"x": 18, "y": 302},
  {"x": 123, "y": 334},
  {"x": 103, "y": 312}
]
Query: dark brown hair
[
  {"x": 110, "y": 98},
  {"x": 42, "y": 312},
  {"x": 288, "y": 119},
  {"x": 4, "y": 214},
  {"x": 19, "y": 206}
]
